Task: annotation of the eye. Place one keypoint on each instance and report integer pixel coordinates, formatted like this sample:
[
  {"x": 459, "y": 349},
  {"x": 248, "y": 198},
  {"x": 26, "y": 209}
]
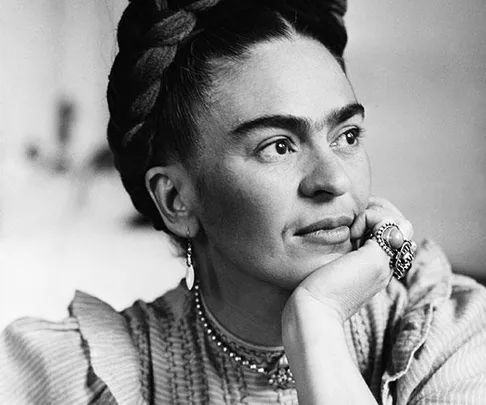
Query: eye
[
  {"x": 281, "y": 147},
  {"x": 276, "y": 150},
  {"x": 350, "y": 137}
]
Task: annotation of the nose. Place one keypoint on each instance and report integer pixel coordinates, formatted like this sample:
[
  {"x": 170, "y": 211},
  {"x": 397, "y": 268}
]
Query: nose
[{"x": 325, "y": 176}]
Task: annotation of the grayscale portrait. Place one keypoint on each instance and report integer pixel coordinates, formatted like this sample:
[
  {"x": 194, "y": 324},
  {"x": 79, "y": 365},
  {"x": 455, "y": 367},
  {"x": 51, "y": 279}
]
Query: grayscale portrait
[{"x": 242, "y": 202}]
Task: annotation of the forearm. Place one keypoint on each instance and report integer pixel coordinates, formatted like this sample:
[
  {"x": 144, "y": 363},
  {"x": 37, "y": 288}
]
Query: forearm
[
  {"x": 321, "y": 363},
  {"x": 314, "y": 316}
]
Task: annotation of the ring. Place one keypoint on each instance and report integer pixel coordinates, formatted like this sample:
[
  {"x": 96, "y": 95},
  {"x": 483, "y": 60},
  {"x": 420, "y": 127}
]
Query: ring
[{"x": 401, "y": 251}]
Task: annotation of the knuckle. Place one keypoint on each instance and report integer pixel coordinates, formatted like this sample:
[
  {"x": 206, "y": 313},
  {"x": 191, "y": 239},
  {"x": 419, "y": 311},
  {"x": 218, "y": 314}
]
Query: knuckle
[
  {"x": 384, "y": 275},
  {"x": 407, "y": 228}
]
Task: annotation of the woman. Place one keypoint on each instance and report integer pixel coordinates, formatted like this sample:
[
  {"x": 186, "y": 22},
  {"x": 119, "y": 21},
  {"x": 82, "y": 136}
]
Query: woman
[{"x": 236, "y": 130}]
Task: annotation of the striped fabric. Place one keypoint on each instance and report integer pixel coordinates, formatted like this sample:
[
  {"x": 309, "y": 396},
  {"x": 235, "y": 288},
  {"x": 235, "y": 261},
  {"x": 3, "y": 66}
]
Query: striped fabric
[{"x": 422, "y": 342}]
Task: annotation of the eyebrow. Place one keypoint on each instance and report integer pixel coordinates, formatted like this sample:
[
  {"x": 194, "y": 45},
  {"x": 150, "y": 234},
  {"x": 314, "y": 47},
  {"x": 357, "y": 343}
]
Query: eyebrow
[{"x": 299, "y": 124}]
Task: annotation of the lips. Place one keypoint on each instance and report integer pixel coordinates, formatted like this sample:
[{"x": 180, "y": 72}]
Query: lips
[
  {"x": 326, "y": 224},
  {"x": 328, "y": 231}
]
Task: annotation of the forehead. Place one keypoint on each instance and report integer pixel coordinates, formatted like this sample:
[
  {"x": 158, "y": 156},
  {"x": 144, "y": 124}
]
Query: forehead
[{"x": 296, "y": 76}]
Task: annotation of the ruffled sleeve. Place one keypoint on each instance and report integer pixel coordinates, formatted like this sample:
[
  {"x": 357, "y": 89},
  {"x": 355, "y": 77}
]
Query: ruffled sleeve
[
  {"x": 45, "y": 363},
  {"x": 88, "y": 358}
]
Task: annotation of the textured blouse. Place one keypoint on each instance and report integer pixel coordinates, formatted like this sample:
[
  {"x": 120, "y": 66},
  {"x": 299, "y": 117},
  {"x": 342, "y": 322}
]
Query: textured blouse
[{"x": 422, "y": 341}]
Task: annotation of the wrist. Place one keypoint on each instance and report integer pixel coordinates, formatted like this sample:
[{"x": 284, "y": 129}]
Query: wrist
[
  {"x": 319, "y": 358},
  {"x": 305, "y": 320}
]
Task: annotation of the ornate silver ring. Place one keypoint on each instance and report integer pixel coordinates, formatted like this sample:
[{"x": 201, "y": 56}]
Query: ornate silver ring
[{"x": 401, "y": 251}]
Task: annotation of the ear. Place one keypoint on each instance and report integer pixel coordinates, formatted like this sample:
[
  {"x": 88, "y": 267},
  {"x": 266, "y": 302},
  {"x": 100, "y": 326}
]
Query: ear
[{"x": 171, "y": 190}]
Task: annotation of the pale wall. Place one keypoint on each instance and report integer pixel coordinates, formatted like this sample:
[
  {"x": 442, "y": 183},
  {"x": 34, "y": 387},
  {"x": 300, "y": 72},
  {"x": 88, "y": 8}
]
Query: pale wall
[{"x": 420, "y": 69}]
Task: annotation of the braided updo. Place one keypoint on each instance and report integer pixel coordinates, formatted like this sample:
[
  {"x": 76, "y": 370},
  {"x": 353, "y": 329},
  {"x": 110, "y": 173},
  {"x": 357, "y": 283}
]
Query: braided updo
[{"x": 163, "y": 72}]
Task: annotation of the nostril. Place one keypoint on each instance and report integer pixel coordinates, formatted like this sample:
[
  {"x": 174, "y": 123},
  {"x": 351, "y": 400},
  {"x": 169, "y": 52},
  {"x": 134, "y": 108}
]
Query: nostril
[
  {"x": 329, "y": 184},
  {"x": 326, "y": 174}
]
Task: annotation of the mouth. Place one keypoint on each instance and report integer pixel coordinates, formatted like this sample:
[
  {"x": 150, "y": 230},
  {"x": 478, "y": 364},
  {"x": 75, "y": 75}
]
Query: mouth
[{"x": 329, "y": 231}]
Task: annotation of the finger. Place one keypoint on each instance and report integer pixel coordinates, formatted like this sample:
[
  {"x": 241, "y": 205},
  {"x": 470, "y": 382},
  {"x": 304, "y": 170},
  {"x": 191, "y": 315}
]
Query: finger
[
  {"x": 405, "y": 225},
  {"x": 370, "y": 220},
  {"x": 375, "y": 201},
  {"x": 358, "y": 227}
]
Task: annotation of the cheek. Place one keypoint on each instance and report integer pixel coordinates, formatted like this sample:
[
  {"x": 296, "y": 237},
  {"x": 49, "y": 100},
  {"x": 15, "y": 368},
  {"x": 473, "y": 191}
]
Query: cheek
[
  {"x": 361, "y": 178},
  {"x": 240, "y": 205}
]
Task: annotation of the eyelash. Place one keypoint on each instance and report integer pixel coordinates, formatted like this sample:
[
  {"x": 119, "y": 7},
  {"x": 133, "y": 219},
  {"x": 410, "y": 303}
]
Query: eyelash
[
  {"x": 356, "y": 131},
  {"x": 266, "y": 148}
]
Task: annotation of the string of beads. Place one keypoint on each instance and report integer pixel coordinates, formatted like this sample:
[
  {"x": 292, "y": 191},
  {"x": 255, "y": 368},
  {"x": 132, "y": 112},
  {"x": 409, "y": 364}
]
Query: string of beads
[{"x": 279, "y": 376}]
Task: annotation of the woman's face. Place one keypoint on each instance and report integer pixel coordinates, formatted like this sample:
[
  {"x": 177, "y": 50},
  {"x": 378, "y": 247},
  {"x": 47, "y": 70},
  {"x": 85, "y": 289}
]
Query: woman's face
[{"x": 281, "y": 171}]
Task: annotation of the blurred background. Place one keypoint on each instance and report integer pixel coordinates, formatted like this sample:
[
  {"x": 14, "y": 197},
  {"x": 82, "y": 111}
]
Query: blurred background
[{"x": 66, "y": 222}]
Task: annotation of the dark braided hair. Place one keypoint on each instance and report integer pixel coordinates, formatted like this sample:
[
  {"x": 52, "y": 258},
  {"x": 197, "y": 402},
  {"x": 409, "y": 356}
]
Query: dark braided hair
[{"x": 168, "y": 59}]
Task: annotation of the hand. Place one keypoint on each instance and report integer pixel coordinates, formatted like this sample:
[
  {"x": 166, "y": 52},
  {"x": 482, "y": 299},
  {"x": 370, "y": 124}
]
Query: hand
[
  {"x": 313, "y": 318},
  {"x": 342, "y": 286}
]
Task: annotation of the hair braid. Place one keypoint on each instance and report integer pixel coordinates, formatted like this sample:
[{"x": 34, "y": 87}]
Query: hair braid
[
  {"x": 149, "y": 33},
  {"x": 157, "y": 78}
]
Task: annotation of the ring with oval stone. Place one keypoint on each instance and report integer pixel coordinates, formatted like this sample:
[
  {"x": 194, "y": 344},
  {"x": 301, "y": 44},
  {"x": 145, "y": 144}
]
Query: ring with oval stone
[{"x": 401, "y": 251}]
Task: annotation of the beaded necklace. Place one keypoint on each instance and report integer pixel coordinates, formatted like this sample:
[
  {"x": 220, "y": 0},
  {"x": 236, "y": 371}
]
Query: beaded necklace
[{"x": 279, "y": 377}]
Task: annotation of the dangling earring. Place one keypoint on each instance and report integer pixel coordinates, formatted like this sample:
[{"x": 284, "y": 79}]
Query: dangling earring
[{"x": 189, "y": 266}]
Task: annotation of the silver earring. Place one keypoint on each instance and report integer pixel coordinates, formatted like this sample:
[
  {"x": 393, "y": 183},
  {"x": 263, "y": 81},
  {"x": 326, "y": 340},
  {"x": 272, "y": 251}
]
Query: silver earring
[{"x": 189, "y": 267}]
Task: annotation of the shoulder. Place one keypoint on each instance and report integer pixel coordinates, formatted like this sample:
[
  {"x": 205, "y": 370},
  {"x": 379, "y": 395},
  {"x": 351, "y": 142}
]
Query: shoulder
[
  {"x": 450, "y": 365},
  {"x": 88, "y": 356},
  {"x": 438, "y": 348},
  {"x": 431, "y": 287},
  {"x": 39, "y": 360},
  {"x": 169, "y": 309},
  {"x": 448, "y": 307}
]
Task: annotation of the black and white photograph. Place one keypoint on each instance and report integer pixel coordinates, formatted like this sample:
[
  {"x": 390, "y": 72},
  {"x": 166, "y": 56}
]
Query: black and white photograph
[{"x": 242, "y": 202}]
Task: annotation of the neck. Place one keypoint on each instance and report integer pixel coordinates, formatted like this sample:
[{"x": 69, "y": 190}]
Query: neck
[{"x": 246, "y": 306}]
